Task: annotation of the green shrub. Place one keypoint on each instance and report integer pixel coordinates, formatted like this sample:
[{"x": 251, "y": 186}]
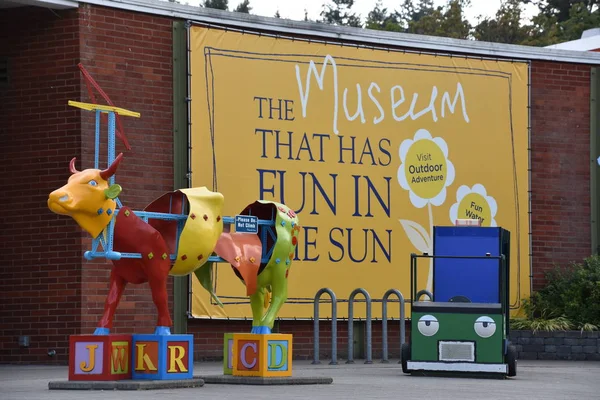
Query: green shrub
[{"x": 571, "y": 299}]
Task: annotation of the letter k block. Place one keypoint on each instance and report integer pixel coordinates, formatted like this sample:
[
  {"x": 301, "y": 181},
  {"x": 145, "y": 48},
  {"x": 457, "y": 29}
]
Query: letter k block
[{"x": 162, "y": 357}]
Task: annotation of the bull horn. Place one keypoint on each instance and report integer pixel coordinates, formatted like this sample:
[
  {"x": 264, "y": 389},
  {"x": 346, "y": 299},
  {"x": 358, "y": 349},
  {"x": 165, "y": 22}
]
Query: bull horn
[
  {"x": 107, "y": 173},
  {"x": 72, "y": 166}
]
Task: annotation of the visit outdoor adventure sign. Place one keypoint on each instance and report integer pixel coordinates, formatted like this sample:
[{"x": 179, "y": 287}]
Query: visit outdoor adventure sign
[{"x": 371, "y": 149}]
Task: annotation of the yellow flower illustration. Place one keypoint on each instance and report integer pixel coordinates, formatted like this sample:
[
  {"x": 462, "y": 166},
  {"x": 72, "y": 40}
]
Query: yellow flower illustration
[
  {"x": 474, "y": 203},
  {"x": 425, "y": 170}
]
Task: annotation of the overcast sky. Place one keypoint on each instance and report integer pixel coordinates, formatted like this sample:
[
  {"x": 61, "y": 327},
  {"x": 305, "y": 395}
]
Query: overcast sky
[{"x": 294, "y": 9}]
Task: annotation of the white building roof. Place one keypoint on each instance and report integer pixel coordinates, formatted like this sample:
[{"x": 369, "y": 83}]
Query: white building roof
[{"x": 590, "y": 40}]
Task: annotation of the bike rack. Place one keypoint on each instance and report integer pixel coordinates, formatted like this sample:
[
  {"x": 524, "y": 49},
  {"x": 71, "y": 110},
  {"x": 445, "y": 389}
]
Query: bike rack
[
  {"x": 333, "y": 326},
  {"x": 384, "y": 339},
  {"x": 384, "y": 311},
  {"x": 351, "y": 320}
]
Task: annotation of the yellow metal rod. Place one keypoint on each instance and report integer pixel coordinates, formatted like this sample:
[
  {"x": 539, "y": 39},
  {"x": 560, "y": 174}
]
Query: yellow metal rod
[{"x": 94, "y": 107}]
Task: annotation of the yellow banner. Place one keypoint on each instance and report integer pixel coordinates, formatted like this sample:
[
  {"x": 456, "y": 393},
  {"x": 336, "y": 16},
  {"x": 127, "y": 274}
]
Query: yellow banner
[{"x": 371, "y": 148}]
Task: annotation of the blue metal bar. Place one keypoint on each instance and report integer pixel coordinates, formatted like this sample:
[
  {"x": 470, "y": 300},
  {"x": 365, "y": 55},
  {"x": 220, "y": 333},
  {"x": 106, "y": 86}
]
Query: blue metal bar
[
  {"x": 221, "y": 260},
  {"x": 118, "y": 203},
  {"x": 274, "y": 237},
  {"x": 180, "y": 225},
  {"x": 103, "y": 242},
  {"x": 157, "y": 215},
  {"x": 131, "y": 255},
  {"x": 263, "y": 239},
  {"x": 110, "y": 234},
  {"x": 111, "y": 142},
  {"x": 97, "y": 141},
  {"x": 109, "y": 255},
  {"x": 115, "y": 255},
  {"x": 95, "y": 243}
]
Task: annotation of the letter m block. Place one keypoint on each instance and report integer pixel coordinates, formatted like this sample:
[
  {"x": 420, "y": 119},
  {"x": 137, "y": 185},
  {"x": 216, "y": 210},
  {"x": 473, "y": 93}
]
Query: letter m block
[
  {"x": 99, "y": 358},
  {"x": 162, "y": 357},
  {"x": 268, "y": 355}
]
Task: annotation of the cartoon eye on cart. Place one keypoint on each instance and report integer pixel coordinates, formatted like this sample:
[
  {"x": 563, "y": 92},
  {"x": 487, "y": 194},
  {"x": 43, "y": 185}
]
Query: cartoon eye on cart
[{"x": 462, "y": 326}]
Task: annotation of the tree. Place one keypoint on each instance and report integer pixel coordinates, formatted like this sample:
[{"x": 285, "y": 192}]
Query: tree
[
  {"x": 218, "y": 4},
  {"x": 244, "y": 7},
  {"x": 339, "y": 13},
  {"x": 448, "y": 21},
  {"x": 409, "y": 13},
  {"x": 543, "y": 31},
  {"x": 380, "y": 19},
  {"x": 580, "y": 19},
  {"x": 505, "y": 27},
  {"x": 562, "y": 9},
  {"x": 561, "y": 21}
]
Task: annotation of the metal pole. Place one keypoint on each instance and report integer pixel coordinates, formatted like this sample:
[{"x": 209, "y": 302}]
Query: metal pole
[
  {"x": 384, "y": 302},
  {"x": 333, "y": 326},
  {"x": 350, "y": 322},
  {"x": 111, "y": 143},
  {"x": 97, "y": 141}
]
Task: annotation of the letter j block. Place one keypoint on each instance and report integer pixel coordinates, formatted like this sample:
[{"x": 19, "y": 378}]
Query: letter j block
[
  {"x": 99, "y": 358},
  {"x": 162, "y": 357},
  {"x": 267, "y": 355}
]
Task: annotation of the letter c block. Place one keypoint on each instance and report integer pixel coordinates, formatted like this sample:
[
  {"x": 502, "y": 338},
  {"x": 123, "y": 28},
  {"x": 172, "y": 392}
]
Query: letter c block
[{"x": 263, "y": 355}]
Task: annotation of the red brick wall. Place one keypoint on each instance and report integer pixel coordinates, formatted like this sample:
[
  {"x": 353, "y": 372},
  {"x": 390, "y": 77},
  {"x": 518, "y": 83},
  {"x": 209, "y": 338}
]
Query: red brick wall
[
  {"x": 560, "y": 170},
  {"x": 40, "y": 253},
  {"x": 48, "y": 290}
]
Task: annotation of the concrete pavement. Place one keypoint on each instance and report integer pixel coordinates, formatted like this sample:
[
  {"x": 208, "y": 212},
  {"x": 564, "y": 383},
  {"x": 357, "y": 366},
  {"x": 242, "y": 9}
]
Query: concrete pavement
[{"x": 547, "y": 380}]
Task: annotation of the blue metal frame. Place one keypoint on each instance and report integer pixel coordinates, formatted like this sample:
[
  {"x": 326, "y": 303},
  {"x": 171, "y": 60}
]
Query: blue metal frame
[{"x": 105, "y": 239}]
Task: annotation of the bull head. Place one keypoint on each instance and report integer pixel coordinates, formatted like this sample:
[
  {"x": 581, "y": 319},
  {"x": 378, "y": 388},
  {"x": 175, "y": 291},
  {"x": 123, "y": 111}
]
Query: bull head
[{"x": 87, "y": 197}]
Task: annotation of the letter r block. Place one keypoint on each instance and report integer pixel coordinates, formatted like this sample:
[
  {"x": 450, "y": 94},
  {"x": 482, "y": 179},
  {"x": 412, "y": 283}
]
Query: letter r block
[
  {"x": 162, "y": 357},
  {"x": 263, "y": 355},
  {"x": 99, "y": 357}
]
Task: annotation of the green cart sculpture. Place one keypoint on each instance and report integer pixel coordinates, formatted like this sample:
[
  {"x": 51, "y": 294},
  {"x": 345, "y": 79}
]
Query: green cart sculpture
[{"x": 456, "y": 329}]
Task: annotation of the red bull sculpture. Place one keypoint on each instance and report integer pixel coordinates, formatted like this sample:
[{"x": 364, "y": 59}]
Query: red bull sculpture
[{"x": 166, "y": 239}]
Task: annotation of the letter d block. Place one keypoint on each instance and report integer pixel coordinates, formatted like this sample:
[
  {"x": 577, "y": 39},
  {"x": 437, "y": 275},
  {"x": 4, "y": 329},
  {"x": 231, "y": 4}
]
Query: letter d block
[
  {"x": 162, "y": 357},
  {"x": 99, "y": 358},
  {"x": 261, "y": 355}
]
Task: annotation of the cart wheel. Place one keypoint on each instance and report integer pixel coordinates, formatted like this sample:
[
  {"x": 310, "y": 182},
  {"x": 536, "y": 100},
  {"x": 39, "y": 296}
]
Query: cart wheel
[
  {"x": 511, "y": 360},
  {"x": 405, "y": 357}
]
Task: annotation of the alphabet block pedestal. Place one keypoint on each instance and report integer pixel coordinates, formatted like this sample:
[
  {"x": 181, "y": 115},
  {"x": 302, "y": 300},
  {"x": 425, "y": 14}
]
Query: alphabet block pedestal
[
  {"x": 99, "y": 358},
  {"x": 162, "y": 357},
  {"x": 259, "y": 355},
  {"x": 228, "y": 354}
]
